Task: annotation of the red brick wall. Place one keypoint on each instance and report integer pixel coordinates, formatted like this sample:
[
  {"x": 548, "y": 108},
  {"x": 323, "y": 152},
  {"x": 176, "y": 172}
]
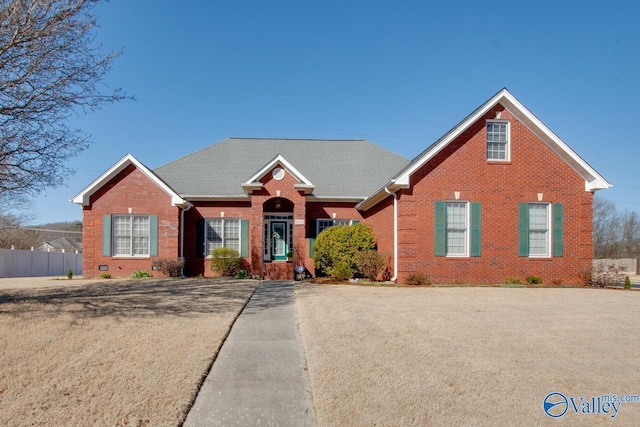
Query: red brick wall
[
  {"x": 500, "y": 187},
  {"x": 130, "y": 189}
]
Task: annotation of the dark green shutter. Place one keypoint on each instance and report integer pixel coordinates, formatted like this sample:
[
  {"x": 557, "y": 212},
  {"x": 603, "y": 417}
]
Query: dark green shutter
[
  {"x": 153, "y": 235},
  {"x": 476, "y": 221},
  {"x": 311, "y": 241},
  {"x": 558, "y": 229},
  {"x": 440, "y": 230},
  {"x": 106, "y": 235},
  {"x": 244, "y": 238},
  {"x": 523, "y": 229},
  {"x": 200, "y": 238},
  {"x": 354, "y": 222}
]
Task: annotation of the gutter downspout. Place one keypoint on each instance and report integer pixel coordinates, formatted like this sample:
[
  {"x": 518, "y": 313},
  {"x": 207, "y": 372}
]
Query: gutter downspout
[
  {"x": 395, "y": 234},
  {"x": 189, "y": 206}
]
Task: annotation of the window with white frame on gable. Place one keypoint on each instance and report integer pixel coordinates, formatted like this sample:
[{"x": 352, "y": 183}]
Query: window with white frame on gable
[
  {"x": 131, "y": 235},
  {"x": 539, "y": 242},
  {"x": 541, "y": 230},
  {"x": 456, "y": 228},
  {"x": 222, "y": 232},
  {"x": 498, "y": 140}
]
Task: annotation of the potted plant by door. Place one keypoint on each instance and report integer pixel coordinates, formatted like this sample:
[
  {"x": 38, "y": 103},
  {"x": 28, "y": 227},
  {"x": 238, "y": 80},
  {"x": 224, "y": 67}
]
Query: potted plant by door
[{"x": 289, "y": 256}]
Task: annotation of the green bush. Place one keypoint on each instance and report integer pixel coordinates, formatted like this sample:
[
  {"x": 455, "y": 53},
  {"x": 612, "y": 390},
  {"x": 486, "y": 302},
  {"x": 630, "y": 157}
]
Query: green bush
[
  {"x": 171, "y": 267},
  {"x": 241, "y": 274},
  {"x": 418, "y": 279},
  {"x": 140, "y": 274},
  {"x": 337, "y": 246},
  {"x": 627, "y": 283},
  {"x": 105, "y": 276},
  {"x": 370, "y": 263},
  {"x": 342, "y": 271},
  {"x": 533, "y": 280},
  {"x": 69, "y": 274},
  {"x": 512, "y": 281},
  {"x": 226, "y": 261}
]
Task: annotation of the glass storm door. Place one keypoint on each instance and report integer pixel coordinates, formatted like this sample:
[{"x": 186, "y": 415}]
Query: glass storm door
[{"x": 279, "y": 240}]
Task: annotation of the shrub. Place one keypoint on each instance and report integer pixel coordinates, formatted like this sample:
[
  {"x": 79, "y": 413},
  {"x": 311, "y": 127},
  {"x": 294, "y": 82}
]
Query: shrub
[
  {"x": 226, "y": 261},
  {"x": 69, "y": 274},
  {"x": 603, "y": 275},
  {"x": 418, "y": 279},
  {"x": 556, "y": 282},
  {"x": 533, "y": 280},
  {"x": 627, "y": 283},
  {"x": 241, "y": 274},
  {"x": 337, "y": 246},
  {"x": 342, "y": 271},
  {"x": 105, "y": 276},
  {"x": 370, "y": 263},
  {"x": 140, "y": 274},
  {"x": 171, "y": 267},
  {"x": 512, "y": 281}
]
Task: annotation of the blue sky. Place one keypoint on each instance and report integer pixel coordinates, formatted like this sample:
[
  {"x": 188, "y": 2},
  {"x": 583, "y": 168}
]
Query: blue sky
[{"x": 398, "y": 73}]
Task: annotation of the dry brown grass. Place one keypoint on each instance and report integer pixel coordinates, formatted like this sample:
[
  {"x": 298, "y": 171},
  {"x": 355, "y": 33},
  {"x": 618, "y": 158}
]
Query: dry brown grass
[
  {"x": 466, "y": 356},
  {"x": 112, "y": 353}
]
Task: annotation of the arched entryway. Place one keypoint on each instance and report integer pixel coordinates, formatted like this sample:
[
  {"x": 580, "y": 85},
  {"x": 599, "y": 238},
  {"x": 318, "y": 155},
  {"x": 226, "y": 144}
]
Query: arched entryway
[{"x": 277, "y": 232}]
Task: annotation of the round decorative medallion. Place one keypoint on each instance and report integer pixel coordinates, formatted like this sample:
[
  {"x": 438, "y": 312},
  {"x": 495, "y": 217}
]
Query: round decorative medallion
[{"x": 278, "y": 174}]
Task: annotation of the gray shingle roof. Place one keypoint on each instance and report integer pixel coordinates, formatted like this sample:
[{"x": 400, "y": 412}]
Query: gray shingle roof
[{"x": 337, "y": 168}]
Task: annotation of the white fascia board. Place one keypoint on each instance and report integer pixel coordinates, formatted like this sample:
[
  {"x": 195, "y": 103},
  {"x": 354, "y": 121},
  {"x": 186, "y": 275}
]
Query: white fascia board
[
  {"x": 83, "y": 198},
  {"x": 215, "y": 198},
  {"x": 593, "y": 180},
  {"x": 254, "y": 183}
]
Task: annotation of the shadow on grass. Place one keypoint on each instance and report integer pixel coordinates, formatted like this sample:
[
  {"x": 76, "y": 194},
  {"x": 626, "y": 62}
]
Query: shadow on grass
[{"x": 133, "y": 298}]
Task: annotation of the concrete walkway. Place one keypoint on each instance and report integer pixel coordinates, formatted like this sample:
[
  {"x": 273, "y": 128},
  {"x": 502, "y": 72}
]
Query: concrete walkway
[{"x": 259, "y": 377}]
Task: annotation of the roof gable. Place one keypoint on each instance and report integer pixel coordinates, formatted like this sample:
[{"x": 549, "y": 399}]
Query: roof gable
[
  {"x": 84, "y": 197},
  {"x": 254, "y": 183},
  {"x": 593, "y": 180}
]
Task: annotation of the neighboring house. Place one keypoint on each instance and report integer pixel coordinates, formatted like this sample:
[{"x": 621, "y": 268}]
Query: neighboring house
[
  {"x": 498, "y": 196},
  {"x": 61, "y": 244}
]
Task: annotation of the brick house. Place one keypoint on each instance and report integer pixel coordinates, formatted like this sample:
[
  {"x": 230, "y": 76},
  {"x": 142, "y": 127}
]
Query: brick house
[{"x": 499, "y": 195}]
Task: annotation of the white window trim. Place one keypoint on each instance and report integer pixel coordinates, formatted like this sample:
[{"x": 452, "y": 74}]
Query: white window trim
[
  {"x": 206, "y": 240},
  {"x": 549, "y": 231},
  {"x": 467, "y": 242},
  {"x": 113, "y": 237},
  {"x": 507, "y": 145}
]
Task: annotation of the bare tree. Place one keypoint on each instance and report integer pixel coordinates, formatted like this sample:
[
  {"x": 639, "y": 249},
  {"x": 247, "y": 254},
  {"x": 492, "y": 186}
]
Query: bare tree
[
  {"x": 12, "y": 233},
  {"x": 50, "y": 69},
  {"x": 615, "y": 234}
]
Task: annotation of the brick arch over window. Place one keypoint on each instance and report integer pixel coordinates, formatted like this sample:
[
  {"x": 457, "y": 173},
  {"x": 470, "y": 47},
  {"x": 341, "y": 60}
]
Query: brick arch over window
[{"x": 277, "y": 204}]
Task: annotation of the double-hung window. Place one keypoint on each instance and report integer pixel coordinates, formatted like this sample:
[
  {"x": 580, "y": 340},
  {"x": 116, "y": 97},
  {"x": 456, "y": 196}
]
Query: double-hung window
[
  {"x": 131, "y": 235},
  {"x": 539, "y": 242},
  {"x": 498, "y": 141},
  {"x": 456, "y": 228},
  {"x": 458, "y": 231},
  {"x": 541, "y": 230},
  {"x": 222, "y": 232}
]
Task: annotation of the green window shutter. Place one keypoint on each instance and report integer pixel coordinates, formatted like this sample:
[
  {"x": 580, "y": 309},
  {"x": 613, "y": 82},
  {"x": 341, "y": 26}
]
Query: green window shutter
[
  {"x": 558, "y": 229},
  {"x": 311, "y": 241},
  {"x": 244, "y": 238},
  {"x": 354, "y": 222},
  {"x": 523, "y": 229},
  {"x": 200, "y": 238},
  {"x": 153, "y": 235},
  {"x": 440, "y": 230},
  {"x": 476, "y": 221},
  {"x": 106, "y": 235}
]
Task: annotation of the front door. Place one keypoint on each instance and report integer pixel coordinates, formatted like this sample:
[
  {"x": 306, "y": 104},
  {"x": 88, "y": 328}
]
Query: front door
[{"x": 279, "y": 235}]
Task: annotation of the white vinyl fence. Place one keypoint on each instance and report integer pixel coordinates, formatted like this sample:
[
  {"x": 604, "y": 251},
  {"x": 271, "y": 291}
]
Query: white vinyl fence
[
  {"x": 629, "y": 265},
  {"x": 25, "y": 263}
]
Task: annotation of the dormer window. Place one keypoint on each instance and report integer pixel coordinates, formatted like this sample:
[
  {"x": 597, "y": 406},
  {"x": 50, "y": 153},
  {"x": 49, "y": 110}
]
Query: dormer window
[{"x": 498, "y": 141}]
